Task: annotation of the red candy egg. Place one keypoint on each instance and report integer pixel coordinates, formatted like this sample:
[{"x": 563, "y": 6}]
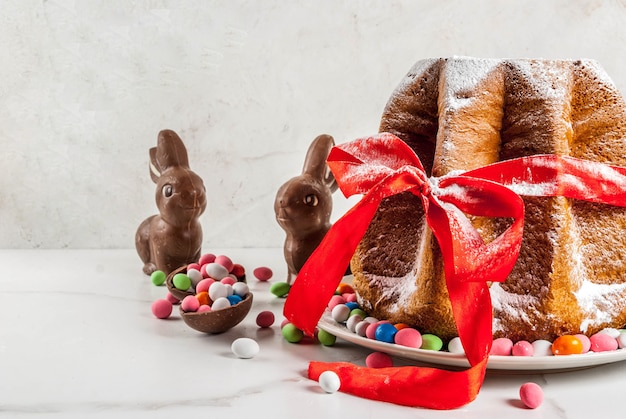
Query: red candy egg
[{"x": 263, "y": 273}]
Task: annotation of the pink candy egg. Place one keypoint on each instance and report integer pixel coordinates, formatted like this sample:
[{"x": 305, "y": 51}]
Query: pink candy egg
[
  {"x": 190, "y": 303},
  {"x": 195, "y": 266},
  {"x": 204, "y": 285},
  {"x": 335, "y": 300},
  {"x": 161, "y": 309},
  {"x": 531, "y": 395},
  {"x": 169, "y": 297},
  {"x": 408, "y": 337},
  {"x": 501, "y": 346},
  {"x": 523, "y": 348},
  {"x": 229, "y": 280},
  {"x": 378, "y": 360},
  {"x": 263, "y": 273},
  {"x": 225, "y": 261},
  {"x": 350, "y": 297},
  {"x": 601, "y": 342},
  {"x": 206, "y": 258},
  {"x": 203, "y": 308}
]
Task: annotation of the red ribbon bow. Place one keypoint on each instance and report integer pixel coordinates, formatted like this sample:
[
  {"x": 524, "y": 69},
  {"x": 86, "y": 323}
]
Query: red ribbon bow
[{"x": 383, "y": 166}]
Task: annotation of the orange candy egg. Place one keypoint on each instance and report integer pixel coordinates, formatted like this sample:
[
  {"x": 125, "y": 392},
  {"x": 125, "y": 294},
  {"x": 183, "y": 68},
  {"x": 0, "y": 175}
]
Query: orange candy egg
[
  {"x": 203, "y": 298},
  {"x": 344, "y": 288},
  {"x": 567, "y": 345}
]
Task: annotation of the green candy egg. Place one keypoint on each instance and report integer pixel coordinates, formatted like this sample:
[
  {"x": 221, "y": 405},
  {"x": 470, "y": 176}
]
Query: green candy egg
[
  {"x": 158, "y": 277},
  {"x": 326, "y": 338},
  {"x": 358, "y": 311},
  {"x": 291, "y": 333},
  {"x": 431, "y": 342},
  {"x": 280, "y": 289},
  {"x": 181, "y": 282}
]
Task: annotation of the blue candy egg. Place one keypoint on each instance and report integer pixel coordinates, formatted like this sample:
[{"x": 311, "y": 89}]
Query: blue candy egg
[
  {"x": 234, "y": 299},
  {"x": 352, "y": 305},
  {"x": 385, "y": 332}
]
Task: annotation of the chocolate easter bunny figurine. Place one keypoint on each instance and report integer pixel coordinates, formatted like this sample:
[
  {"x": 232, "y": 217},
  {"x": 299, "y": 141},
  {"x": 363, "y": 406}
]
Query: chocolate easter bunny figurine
[
  {"x": 172, "y": 238},
  {"x": 303, "y": 206}
]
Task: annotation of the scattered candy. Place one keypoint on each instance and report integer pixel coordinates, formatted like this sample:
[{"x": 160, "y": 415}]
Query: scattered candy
[
  {"x": 567, "y": 345},
  {"x": 329, "y": 381},
  {"x": 265, "y": 319},
  {"x": 263, "y": 273},
  {"x": 291, "y": 333},
  {"x": 378, "y": 360},
  {"x": 158, "y": 277},
  {"x": 161, "y": 309},
  {"x": 245, "y": 348},
  {"x": 431, "y": 342},
  {"x": 531, "y": 395},
  {"x": 603, "y": 342},
  {"x": 280, "y": 289},
  {"x": 326, "y": 338}
]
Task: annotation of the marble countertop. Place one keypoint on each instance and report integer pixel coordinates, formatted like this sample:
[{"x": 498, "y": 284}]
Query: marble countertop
[{"x": 78, "y": 339}]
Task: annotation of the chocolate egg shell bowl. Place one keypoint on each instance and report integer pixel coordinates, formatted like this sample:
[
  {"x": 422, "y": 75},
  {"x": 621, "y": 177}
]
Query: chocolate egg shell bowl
[
  {"x": 215, "y": 320},
  {"x": 218, "y": 321}
]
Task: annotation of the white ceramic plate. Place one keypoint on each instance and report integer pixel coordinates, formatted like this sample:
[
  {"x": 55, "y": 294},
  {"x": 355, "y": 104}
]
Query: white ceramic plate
[{"x": 504, "y": 363}]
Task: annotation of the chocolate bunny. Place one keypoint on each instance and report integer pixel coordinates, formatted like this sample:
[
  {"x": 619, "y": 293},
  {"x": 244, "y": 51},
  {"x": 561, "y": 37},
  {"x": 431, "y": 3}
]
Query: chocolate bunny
[
  {"x": 303, "y": 206},
  {"x": 174, "y": 237}
]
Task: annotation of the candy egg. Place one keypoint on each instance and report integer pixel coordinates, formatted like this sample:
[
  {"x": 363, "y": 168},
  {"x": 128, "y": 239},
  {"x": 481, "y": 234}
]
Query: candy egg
[
  {"x": 501, "y": 346},
  {"x": 181, "y": 281},
  {"x": 378, "y": 360},
  {"x": 335, "y": 300},
  {"x": 523, "y": 348},
  {"x": 204, "y": 285},
  {"x": 216, "y": 271},
  {"x": 455, "y": 346},
  {"x": 361, "y": 328},
  {"x": 352, "y": 322},
  {"x": 409, "y": 337},
  {"x": 291, "y": 333},
  {"x": 280, "y": 289},
  {"x": 241, "y": 289},
  {"x": 542, "y": 347},
  {"x": 245, "y": 348},
  {"x": 603, "y": 342},
  {"x": 206, "y": 258},
  {"x": 567, "y": 345},
  {"x": 531, "y": 395},
  {"x": 234, "y": 299},
  {"x": 161, "y": 309},
  {"x": 225, "y": 261},
  {"x": 326, "y": 338},
  {"x": 385, "y": 332},
  {"x": 262, "y": 273},
  {"x": 218, "y": 290},
  {"x": 190, "y": 303},
  {"x": 158, "y": 277},
  {"x": 431, "y": 342},
  {"x": 221, "y": 302},
  {"x": 584, "y": 339},
  {"x": 265, "y": 319},
  {"x": 340, "y": 313},
  {"x": 329, "y": 381},
  {"x": 621, "y": 340},
  {"x": 195, "y": 276}
]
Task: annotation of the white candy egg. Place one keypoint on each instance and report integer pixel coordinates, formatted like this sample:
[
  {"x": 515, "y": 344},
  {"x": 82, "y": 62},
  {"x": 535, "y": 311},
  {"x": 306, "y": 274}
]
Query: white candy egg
[
  {"x": 340, "y": 313},
  {"x": 542, "y": 348},
  {"x": 195, "y": 276},
  {"x": 218, "y": 290},
  {"x": 455, "y": 346},
  {"x": 216, "y": 271},
  {"x": 329, "y": 381},
  {"x": 241, "y": 289},
  {"x": 220, "y": 303},
  {"x": 353, "y": 321},
  {"x": 361, "y": 328},
  {"x": 245, "y": 348},
  {"x": 614, "y": 333}
]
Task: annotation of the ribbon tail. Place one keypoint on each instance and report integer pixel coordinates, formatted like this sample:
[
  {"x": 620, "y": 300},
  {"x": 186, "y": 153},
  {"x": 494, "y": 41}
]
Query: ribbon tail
[
  {"x": 318, "y": 279},
  {"x": 409, "y": 386}
]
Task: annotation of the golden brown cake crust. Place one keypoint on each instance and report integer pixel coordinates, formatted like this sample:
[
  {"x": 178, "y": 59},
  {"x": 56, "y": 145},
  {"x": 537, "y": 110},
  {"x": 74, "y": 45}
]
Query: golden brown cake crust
[{"x": 464, "y": 113}]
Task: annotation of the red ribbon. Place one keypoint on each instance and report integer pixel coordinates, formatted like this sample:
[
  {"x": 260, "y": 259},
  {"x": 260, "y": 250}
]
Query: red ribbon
[{"x": 382, "y": 166}]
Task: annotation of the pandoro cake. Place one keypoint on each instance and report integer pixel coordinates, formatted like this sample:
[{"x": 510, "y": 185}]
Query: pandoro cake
[{"x": 463, "y": 113}]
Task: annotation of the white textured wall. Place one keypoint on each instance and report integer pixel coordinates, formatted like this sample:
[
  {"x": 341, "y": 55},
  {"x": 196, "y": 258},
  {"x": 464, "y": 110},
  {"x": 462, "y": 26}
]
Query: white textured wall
[{"x": 85, "y": 86}]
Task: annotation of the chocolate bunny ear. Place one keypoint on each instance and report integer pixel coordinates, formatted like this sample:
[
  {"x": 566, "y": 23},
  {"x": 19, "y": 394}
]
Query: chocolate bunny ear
[
  {"x": 315, "y": 161},
  {"x": 169, "y": 152}
]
